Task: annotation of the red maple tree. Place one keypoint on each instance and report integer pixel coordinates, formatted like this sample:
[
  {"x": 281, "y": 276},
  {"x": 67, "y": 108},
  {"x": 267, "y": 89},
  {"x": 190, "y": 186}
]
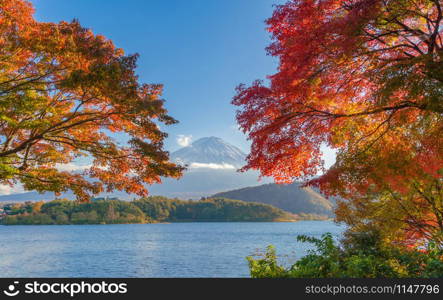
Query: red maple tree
[
  {"x": 362, "y": 76},
  {"x": 63, "y": 90}
]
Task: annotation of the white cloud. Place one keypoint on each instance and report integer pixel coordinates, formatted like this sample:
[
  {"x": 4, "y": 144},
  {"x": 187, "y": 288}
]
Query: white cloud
[
  {"x": 69, "y": 167},
  {"x": 184, "y": 140},
  {"x": 196, "y": 165},
  {"x": 8, "y": 190}
]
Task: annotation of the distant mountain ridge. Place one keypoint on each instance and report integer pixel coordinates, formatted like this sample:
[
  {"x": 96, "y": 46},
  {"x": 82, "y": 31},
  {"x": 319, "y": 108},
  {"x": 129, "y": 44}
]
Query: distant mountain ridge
[{"x": 292, "y": 198}]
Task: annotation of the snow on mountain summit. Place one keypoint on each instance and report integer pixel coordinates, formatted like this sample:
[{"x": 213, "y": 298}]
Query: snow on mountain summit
[{"x": 210, "y": 152}]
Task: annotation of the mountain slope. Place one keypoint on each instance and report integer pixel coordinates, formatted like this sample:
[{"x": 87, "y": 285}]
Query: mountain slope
[
  {"x": 197, "y": 183},
  {"x": 290, "y": 197}
]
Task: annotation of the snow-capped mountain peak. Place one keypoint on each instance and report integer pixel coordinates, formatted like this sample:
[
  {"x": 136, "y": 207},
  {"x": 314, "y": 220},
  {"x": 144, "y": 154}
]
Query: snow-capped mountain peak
[{"x": 211, "y": 152}]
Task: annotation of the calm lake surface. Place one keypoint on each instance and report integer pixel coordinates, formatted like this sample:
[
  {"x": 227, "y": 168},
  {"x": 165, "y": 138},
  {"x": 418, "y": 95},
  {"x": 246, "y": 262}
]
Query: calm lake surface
[{"x": 149, "y": 250}]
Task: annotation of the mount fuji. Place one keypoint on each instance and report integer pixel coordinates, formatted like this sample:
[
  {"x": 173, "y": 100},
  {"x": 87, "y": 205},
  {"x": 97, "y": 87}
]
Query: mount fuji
[
  {"x": 209, "y": 151},
  {"x": 212, "y": 165}
]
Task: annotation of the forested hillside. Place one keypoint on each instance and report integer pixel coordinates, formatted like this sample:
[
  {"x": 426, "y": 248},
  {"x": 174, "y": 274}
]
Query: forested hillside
[
  {"x": 289, "y": 197},
  {"x": 144, "y": 210}
]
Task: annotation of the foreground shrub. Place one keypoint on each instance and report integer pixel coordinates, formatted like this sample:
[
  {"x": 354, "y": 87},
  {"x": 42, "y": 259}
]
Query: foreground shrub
[{"x": 360, "y": 256}]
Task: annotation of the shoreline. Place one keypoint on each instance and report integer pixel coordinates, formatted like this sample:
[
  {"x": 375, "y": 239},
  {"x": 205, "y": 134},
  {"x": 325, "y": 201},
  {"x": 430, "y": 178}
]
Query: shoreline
[{"x": 171, "y": 222}]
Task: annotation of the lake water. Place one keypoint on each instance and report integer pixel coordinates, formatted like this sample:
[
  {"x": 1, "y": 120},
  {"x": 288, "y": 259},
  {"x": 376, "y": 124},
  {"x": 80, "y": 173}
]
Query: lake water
[{"x": 149, "y": 250}]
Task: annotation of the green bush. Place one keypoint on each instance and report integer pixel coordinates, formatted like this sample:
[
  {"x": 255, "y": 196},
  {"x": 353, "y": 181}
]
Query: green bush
[{"x": 360, "y": 256}]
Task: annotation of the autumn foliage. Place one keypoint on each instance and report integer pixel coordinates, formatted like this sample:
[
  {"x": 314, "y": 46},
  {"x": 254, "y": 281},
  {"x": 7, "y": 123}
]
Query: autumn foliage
[
  {"x": 63, "y": 91},
  {"x": 364, "y": 77}
]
